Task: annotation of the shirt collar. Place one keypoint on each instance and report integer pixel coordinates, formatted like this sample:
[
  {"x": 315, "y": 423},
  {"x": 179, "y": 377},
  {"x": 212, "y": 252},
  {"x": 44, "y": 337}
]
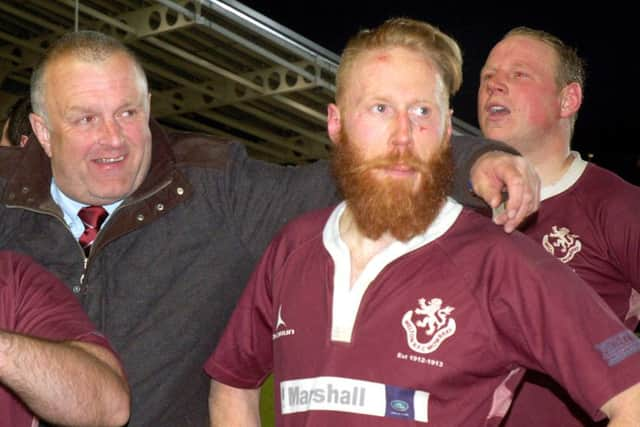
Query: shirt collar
[
  {"x": 577, "y": 167},
  {"x": 71, "y": 207},
  {"x": 347, "y": 299},
  {"x": 339, "y": 251}
]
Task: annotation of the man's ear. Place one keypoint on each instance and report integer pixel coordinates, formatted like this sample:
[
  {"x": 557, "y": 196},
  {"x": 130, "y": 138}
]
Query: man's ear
[
  {"x": 570, "y": 99},
  {"x": 449, "y": 123},
  {"x": 39, "y": 127},
  {"x": 23, "y": 140},
  {"x": 334, "y": 124}
]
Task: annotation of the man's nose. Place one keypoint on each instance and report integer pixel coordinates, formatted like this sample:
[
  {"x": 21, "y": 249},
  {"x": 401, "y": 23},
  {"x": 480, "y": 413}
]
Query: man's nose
[
  {"x": 403, "y": 135},
  {"x": 495, "y": 84},
  {"x": 111, "y": 133}
]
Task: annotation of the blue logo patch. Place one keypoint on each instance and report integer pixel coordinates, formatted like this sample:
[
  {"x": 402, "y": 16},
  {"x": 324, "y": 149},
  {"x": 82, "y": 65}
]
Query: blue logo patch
[
  {"x": 399, "y": 405},
  {"x": 399, "y": 402},
  {"x": 618, "y": 347}
]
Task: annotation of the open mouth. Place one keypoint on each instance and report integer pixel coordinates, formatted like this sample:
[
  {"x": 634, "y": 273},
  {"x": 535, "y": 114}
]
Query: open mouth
[
  {"x": 497, "y": 110},
  {"x": 109, "y": 160}
]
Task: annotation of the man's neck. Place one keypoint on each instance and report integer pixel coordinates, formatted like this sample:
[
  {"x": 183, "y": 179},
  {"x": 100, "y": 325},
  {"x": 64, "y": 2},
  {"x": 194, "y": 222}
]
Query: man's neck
[
  {"x": 361, "y": 248},
  {"x": 549, "y": 153},
  {"x": 551, "y": 164}
]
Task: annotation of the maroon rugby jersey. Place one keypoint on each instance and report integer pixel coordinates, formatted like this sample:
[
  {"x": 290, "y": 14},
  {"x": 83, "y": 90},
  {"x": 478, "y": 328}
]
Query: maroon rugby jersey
[
  {"x": 441, "y": 334},
  {"x": 590, "y": 220},
  {"x": 34, "y": 302}
]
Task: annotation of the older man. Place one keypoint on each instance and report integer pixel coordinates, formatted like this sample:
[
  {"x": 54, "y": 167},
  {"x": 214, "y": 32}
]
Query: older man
[
  {"x": 398, "y": 306},
  {"x": 155, "y": 233}
]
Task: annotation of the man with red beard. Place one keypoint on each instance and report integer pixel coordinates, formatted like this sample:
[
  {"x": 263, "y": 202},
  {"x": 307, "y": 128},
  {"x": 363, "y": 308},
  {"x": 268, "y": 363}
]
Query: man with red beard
[
  {"x": 398, "y": 306},
  {"x": 386, "y": 204}
]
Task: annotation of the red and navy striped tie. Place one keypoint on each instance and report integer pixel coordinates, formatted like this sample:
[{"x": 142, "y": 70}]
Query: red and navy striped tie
[{"x": 92, "y": 217}]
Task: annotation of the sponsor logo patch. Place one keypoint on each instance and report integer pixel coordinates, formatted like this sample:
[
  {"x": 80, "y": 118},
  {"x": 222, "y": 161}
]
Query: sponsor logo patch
[
  {"x": 618, "y": 347},
  {"x": 353, "y": 396},
  {"x": 399, "y": 403}
]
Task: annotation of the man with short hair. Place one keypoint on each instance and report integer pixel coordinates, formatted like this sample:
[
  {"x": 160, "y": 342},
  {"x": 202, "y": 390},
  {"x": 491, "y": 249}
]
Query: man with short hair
[
  {"x": 398, "y": 306},
  {"x": 530, "y": 93},
  {"x": 174, "y": 221},
  {"x": 54, "y": 366},
  {"x": 17, "y": 128}
]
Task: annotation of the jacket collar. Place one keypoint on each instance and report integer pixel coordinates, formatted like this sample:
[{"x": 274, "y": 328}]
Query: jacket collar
[
  {"x": 29, "y": 184},
  {"x": 164, "y": 188},
  {"x": 29, "y": 181}
]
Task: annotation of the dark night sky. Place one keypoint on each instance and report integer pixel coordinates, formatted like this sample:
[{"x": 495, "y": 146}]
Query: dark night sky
[{"x": 605, "y": 37}]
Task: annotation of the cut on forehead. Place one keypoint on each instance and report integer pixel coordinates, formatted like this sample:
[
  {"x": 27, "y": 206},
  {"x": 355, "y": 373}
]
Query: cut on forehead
[
  {"x": 364, "y": 66},
  {"x": 399, "y": 57},
  {"x": 414, "y": 35},
  {"x": 395, "y": 75}
]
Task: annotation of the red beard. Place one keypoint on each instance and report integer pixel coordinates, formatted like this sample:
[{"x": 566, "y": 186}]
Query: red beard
[{"x": 391, "y": 205}]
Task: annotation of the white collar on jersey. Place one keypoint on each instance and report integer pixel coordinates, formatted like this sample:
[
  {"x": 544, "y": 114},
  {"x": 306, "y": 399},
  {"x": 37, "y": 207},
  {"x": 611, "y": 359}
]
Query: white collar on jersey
[
  {"x": 346, "y": 299},
  {"x": 569, "y": 178}
]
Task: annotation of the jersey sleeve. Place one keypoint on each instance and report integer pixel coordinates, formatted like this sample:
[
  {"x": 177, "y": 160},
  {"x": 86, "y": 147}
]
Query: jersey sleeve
[
  {"x": 621, "y": 230},
  {"x": 548, "y": 319}
]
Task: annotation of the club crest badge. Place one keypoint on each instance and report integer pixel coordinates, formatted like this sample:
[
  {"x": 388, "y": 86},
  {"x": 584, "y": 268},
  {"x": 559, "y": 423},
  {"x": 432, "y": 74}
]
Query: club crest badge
[
  {"x": 561, "y": 243},
  {"x": 433, "y": 325}
]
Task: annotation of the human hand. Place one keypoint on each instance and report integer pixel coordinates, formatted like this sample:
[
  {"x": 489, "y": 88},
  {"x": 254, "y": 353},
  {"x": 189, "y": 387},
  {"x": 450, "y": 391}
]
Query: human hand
[{"x": 496, "y": 173}]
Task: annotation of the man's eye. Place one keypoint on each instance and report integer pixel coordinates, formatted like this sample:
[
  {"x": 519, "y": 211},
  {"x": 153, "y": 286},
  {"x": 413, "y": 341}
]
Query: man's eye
[
  {"x": 86, "y": 120},
  {"x": 129, "y": 113},
  {"x": 421, "y": 111},
  {"x": 380, "y": 108},
  {"x": 519, "y": 74}
]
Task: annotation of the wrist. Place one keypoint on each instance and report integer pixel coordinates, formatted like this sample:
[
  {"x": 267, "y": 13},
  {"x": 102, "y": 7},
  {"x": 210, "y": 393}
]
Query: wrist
[
  {"x": 5, "y": 349},
  {"x": 6, "y": 342}
]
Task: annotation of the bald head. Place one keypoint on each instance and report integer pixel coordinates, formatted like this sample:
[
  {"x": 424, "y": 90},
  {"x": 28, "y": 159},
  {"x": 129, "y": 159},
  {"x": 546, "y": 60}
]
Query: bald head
[{"x": 87, "y": 46}]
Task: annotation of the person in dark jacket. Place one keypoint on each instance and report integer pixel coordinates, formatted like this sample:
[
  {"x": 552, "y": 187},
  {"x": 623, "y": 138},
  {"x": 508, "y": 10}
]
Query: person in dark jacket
[
  {"x": 17, "y": 128},
  {"x": 188, "y": 216}
]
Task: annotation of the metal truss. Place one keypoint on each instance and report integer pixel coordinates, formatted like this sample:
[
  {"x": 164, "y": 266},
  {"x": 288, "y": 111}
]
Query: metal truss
[{"x": 214, "y": 66}]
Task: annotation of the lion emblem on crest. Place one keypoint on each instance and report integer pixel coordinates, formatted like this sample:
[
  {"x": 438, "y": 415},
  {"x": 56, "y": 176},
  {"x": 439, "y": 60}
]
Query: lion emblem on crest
[
  {"x": 564, "y": 241},
  {"x": 435, "y": 322}
]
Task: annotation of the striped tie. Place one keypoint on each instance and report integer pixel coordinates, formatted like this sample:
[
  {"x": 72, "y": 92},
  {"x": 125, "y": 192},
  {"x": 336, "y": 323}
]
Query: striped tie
[{"x": 92, "y": 217}]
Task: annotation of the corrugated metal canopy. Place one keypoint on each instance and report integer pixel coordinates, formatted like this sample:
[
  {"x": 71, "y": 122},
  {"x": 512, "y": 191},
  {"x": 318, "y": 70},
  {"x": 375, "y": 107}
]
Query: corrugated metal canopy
[{"x": 213, "y": 66}]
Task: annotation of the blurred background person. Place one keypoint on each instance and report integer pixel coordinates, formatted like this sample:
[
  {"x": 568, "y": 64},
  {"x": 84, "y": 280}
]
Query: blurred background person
[{"x": 17, "y": 128}]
